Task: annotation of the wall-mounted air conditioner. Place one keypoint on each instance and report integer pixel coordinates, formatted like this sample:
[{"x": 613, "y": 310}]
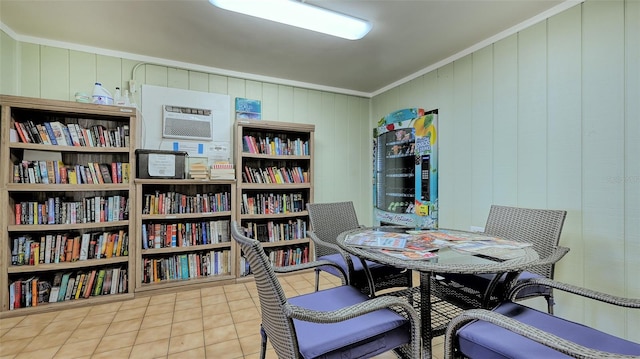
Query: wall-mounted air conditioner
[{"x": 187, "y": 123}]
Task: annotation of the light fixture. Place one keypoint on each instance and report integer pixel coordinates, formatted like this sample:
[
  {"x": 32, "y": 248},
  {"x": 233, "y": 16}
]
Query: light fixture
[{"x": 299, "y": 14}]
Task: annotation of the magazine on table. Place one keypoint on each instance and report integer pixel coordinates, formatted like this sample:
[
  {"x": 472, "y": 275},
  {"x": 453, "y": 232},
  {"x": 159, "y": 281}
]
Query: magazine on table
[
  {"x": 410, "y": 254},
  {"x": 378, "y": 239}
]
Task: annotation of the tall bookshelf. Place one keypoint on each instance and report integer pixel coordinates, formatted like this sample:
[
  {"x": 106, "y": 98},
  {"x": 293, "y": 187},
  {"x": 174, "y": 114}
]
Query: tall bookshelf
[
  {"x": 274, "y": 172},
  {"x": 183, "y": 231},
  {"x": 77, "y": 228}
]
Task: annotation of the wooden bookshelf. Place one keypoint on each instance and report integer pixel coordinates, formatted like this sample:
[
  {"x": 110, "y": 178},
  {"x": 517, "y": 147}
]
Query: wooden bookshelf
[
  {"x": 274, "y": 172},
  {"x": 104, "y": 129},
  {"x": 200, "y": 213}
]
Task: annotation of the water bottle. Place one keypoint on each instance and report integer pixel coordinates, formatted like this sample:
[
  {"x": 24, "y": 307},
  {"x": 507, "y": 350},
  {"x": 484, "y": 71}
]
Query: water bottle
[{"x": 101, "y": 95}]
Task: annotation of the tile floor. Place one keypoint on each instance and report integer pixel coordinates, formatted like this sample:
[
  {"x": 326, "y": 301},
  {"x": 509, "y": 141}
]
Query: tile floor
[{"x": 214, "y": 322}]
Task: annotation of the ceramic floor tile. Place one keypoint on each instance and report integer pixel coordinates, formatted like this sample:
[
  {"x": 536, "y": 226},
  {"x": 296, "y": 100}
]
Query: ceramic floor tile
[
  {"x": 37, "y": 319},
  {"x": 53, "y": 339},
  {"x": 250, "y": 344},
  {"x": 245, "y": 314},
  {"x": 185, "y": 342},
  {"x": 216, "y": 320},
  {"x": 7, "y": 323},
  {"x": 160, "y": 309},
  {"x": 150, "y": 350},
  {"x": 196, "y": 353},
  {"x": 62, "y": 324},
  {"x": 104, "y": 308},
  {"x": 237, "y": 295},
  {"x": 151, "y": 321},
  {"x": 77, "y": 349},
  {"x": 241, "y": 304},
  {"x": 13, "y": 347},
  {"x": 132, "y": 325},
  {"x": 234, "y": 287},
  {"x": 162, "y": 299},
  {"x": 214, "y": 299},
  {"x": 135, "y": 303},
  {"x": 96, "y": 331},
  {"x": 188, "y": 303},
  {"x": 129, "y": 314},
  {"x": 186, "y": 327},
  {"x": 113, "y": 354},
  {"x": 96, "y": 319},
  {"x": 225, "y": 350},
  {"x": 44, "y": 353},
  {"x": 187, "y": 314},
  {"x": 189, "y": 294},
  {"x": 220, "y": 334},
  {"x": 113, "y": 342},
  {"x": 22, "y": 333},
  {"x": 73, "y": 313},
  {"x": 209, "y": 291},
  {"x": 153, "y": 334},
  {"x": 247, "y": 328},
  {"x": 215, "y": 309}
]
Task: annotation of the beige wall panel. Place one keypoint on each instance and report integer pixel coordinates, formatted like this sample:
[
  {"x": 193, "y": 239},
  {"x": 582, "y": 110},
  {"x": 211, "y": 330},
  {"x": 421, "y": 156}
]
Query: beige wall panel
[
  {"x": 156, "y": 75},
  {"x": 341, "y": 132},
  {"x": 82, "y": 73},
  {"x": 8, "y": 65},
  {"x": 54, "y": 73},
  {"x": 482, "y": 136},
  {"x": 460, "y": 145},
  {"x": 127, "y": 72},
  {"x": 446, "y": 152},
  {"x": 409, "y": 94},
  {"x": 505, "y": 122},
  {"x": 29, "y": 82},
  {"x": 285, "y": 104},
  {"x": 632, "y": 165},
  {"x": 218, "y": 84},
  {"x": 532, "y": 117},
  {"x": 198, "y": 81},
  {"x": 253, "y": 90},
  {"x": 362, "y": 138},
  {"x": 603, "y": 155},
  {"x": 270, "y": 108},
  {"x": 324, "y": 146},
  {"x": 178, "y": 78},
  {"x": 109, "y": 72},
  {"x": 564, "y": 160},
  {"x": 300, "y": 105}
]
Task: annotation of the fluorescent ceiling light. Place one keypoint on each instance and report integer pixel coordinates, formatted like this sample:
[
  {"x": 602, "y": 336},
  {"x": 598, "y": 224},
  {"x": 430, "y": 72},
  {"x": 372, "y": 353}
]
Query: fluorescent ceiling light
[{"x": 296, "y": 13}]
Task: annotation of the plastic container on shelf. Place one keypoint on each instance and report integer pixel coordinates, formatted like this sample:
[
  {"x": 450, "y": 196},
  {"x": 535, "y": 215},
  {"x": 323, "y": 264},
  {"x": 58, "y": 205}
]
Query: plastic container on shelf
[{"x": 101, "y": 95}]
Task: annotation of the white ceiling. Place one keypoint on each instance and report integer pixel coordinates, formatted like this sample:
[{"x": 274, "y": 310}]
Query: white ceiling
[{"x": 407, "y": 36}]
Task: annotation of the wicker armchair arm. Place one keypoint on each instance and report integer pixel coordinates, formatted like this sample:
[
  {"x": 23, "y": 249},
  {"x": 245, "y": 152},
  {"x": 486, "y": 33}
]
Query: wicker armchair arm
[
  {"x": 319, "y": 242},
  {"x": 584, "y": 292},
  {"x": 310, "y": 265},
  {"x": 352, "y": 311},
  {"x": 552, "y": 341},
  {"x": 554, "y": 257}
]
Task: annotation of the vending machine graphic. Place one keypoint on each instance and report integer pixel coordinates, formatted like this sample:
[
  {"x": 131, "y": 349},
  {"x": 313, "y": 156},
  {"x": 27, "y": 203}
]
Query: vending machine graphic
[{"x": 405, "y": 178}]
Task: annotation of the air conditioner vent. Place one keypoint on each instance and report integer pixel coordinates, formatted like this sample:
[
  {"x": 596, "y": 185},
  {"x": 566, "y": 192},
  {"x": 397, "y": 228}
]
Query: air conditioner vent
[{"x": 187, "y": 123}]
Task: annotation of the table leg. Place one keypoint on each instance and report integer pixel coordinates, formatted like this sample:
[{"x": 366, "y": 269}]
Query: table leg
[{"x": 425, "y": 313}]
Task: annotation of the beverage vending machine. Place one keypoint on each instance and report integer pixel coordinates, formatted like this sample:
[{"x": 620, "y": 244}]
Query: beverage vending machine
[{"x": 405, "y": 187}]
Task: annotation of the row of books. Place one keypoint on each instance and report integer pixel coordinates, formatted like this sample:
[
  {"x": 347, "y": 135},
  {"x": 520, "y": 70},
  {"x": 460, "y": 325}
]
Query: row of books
[
  {"x": 35, "y": 291},
  {"x": 55, "y": 172},
  {"x": 57, "y": 248},
  {"x": 186, "y": 266},
  {"x": 272, "y": 203},
  {"x": 275, "y": 232},
  {"x": 184, "y": 234},
  {"x": 279, "y": 145},
  {"x": 279, "y": 258},
  {"x": 72, "y": 134},
  {"x": 176, "y": 203},
  {"x": 273, "y": 174},
  {"x": 58, "y": 210}
]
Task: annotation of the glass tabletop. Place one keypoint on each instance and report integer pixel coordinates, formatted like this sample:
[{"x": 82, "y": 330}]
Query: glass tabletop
[{"x": 442, "y": 250}]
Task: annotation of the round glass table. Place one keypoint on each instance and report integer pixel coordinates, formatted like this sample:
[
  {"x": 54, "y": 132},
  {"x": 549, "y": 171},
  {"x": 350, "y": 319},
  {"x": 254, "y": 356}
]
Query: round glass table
[{"x": 455, "y": 252}]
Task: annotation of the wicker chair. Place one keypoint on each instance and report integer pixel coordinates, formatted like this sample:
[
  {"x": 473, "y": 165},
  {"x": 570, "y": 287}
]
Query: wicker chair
[
  {"x": 542, "y": 227},
  {"x": 512, "y": 330},
  {"x": 340, "y": 322},
  {"x": 328, "y": 220}
]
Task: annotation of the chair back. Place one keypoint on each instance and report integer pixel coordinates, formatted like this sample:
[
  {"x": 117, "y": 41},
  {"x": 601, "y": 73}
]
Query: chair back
[
  {"x": 542, "y": 227},
  {"x": 328, "y": 220},
  {"x": 278, "y": 327}
]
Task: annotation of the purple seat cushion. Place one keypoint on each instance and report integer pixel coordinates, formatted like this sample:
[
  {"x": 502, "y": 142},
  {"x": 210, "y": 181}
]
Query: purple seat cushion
[
  {"x": 366, "y": 335},
  {"x": 375, "y": 268},
  {"x": 481, "y": 339}
]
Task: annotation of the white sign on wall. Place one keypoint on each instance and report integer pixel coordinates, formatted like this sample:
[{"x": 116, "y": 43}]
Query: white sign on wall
[{"x": 153, "y": 98}]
